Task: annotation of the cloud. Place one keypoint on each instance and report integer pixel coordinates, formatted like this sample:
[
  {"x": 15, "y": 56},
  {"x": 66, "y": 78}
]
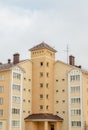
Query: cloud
[{"x": 26, "y": 23}]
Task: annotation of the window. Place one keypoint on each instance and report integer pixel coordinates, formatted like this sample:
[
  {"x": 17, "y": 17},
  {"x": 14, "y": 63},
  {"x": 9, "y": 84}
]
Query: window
[
  {"x": 15, "y": 123},
  {"x": 74, "y": 77},
  {"x": 24, "y": 89},
  {"x": 41, "y": 74},
  {"x": 15, "y": 111},
  {"x": 1, "y": 124},
  {"x": 47, "y": 64},
  {"x": 16, "y": 87},
  {"x": 29, "y": 90},
  {"x": 1, "y": 112},
  {"x": 17, "y": 75},
  {"x": 57, "y": 101},
  {"x": 75, "y": 100},
  {"x": 75, "y": 89},
  {"x": 77, "y": 77},
  {"x": 63, "y": 79},
  {"x": 41, "y": 96},
  {"x": 56, "y": 80},
  {"x": 28, "y": 100},
  {"x": 2, "y": 77},
  {"x": 41, "y": 63},
  {"x": 63, "y": 101},
  {"x": 63, "y": 112},
  {"x": 41, "y": 106},
  {"x": 52, "y": 127},
  {"x": 75, "y": 123},
  {"x": 1, "y": 89},
  {"x": 47, "y": 107},
  {"x": 56, "y": 90},
  {"x": 47, "y": 74},
  {"x": 76, "y": 112},
  {"x": 24, "y": 100},
  {"x": 41, "y": 85},
  {"x": 63, "y": 90},
  {"x": 24, "y": 78},
  {"x": 47, "y": 96},
  {"x": 15, "y": 99},
  {"x": 47, "y": 85},
  {"x": 1, "y": 101},
  {"x": 29, "y": 79}
]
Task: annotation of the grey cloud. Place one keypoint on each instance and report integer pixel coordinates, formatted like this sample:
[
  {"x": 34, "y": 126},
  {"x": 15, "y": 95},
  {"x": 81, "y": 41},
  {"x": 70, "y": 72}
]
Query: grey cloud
[{"x": 26, "y": 23}]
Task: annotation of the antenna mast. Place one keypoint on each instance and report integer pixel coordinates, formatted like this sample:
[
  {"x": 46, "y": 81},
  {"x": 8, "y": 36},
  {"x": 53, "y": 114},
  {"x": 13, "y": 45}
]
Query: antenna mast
[{"x": 67, "y": 50}]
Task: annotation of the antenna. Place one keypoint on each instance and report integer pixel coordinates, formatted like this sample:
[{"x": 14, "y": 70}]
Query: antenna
[{"x": 67, "y": 51}]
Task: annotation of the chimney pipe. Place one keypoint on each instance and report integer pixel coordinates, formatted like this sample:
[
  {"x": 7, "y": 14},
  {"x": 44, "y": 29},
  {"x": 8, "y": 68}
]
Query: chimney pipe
[
  {"x": 16, "y": 58},
  {"x": 72, "y": 60},
  {"x": 9, "y": 61},
  {"x": 80, "y": 66}
]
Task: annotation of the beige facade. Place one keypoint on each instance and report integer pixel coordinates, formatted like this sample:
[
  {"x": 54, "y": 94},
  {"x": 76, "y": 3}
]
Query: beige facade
[
  {"x": 27, "y": 90},
  {"x": 42, "y": 81},
  {"x": 4, "y": 98},
  {"x": 61, "y": 92},
  {"x": 15, "y": 94},
  {"x": 43, "y": 60},
  {"x": 10, "y": 97},
  {"x": 43, "y": 125},
  {"x": 43, "y": 94}
]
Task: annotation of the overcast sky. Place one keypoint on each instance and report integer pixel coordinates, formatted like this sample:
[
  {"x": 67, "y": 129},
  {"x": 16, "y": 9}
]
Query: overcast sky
[{"x": 26, "y": 23}]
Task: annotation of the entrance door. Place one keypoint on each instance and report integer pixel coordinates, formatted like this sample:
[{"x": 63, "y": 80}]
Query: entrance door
[{"x": 52, "y": 127}]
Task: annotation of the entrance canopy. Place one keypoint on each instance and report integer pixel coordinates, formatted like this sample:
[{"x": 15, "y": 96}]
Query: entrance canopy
[{"x": 43, "y": 117}]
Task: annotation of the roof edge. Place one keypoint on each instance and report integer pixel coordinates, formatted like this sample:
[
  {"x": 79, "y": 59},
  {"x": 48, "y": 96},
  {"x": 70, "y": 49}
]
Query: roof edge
[
  {"x": 43, "y": 117},
  {"x": 42, "y": 45}
]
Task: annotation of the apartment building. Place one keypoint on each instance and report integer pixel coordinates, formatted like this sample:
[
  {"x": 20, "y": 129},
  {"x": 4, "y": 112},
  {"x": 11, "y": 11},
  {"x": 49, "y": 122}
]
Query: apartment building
[
  {"x": 15, "y": 93},
  {"x": 42, "y": 93},
  {"x": 58, "y": 89},
  {"x": 71, "y": 95}
]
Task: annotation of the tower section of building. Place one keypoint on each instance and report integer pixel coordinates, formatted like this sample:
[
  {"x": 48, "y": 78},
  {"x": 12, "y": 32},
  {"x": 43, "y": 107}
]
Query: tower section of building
[
  {"x": 43, "y": 59},
  {"x": 43, "y": 117}
]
